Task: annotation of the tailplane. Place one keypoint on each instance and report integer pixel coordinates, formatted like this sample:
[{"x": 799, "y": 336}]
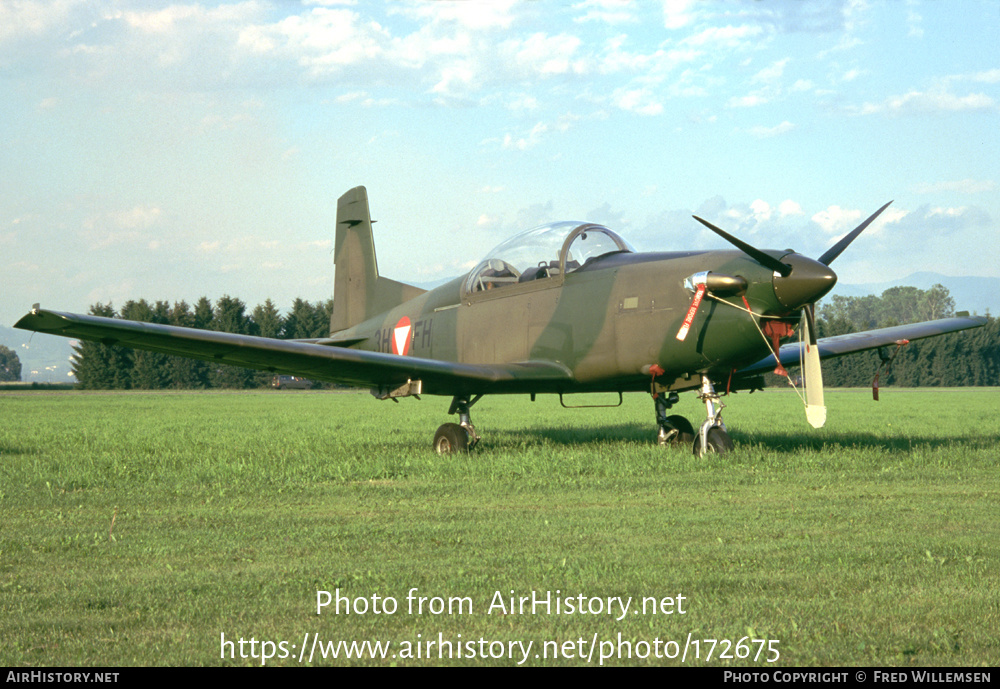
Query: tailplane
[{"x": 358, "y": 291}]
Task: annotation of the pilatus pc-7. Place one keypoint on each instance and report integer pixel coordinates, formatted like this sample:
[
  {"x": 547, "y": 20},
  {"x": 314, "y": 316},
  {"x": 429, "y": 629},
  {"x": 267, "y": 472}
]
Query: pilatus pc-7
[{"x": 565, "y": 308}]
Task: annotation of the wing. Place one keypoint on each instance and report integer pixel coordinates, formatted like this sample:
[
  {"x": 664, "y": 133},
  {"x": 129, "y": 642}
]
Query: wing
[
  {"x": 840, "y": 345},
  {"x": 316, "y": 359}
]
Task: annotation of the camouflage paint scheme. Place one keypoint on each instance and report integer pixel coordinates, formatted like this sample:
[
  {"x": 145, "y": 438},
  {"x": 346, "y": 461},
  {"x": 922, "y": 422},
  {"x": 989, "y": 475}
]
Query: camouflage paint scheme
[{"x": 610, "y": 324}]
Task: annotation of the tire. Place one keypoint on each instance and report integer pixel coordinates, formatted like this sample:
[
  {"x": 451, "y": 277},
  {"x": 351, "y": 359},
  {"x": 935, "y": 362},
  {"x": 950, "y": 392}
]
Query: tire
[
  {"x": 451, "y": 438},
  {"x": 719, "y": 442},
  {"x": 684, "y": 435}
]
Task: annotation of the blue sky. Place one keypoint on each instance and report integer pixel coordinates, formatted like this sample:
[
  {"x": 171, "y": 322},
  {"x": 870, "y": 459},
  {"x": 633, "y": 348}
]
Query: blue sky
[{"x": 169, "y": 151}]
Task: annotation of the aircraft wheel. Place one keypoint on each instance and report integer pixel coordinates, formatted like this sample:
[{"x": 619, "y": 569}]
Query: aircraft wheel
[
  {"x": 719, "y": 442},
  {"x": 684, "y": 434},
  {"x": 450, "y": 438}
]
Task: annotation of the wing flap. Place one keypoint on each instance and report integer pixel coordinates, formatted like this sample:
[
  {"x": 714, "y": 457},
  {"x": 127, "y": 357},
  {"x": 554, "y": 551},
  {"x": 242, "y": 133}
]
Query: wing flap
[
  {"x": 308, "y": 359},
  {"x": 841, "y": 345}
]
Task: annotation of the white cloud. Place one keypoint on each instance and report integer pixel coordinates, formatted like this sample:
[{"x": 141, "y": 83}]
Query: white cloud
[
  {"x": 789, "y": 208},
  {"x": 529, "y": 140},
  {"x": 963, "y": 186},
  {"x": 724, "y": 36},
  {"x": 769, "y": 86},
  {"x": 836, "y": 220},
  {"x": 991, "y": 76},
  {"x": 121, "y": 227},
  {"x": 162, "y": 21},
  {"x": 915, "y": 23},
  {"x": 138, "y": 217},
  {"x": 678, "y": 13},
  {"x": 654, "y": 65},
  {"x": 324, "y": 40},
  {"x": 748, "y": 101},
  {"x": 762, "y": 132},
  {"x": 929, "y": 102},
  {"x": 890, "y": 216},
  {"x": 606, "y": 11},
  {"x": 839, "y": 221},
  {"x": 455, "y": 50},
  {"x": 522, "y": 103},
  {"x": 545, "y": 55},
  {"x": 474, "y": 16},
  {"x": 28, "y": 18},
  {"x": 488, "y": 222},
  {"x": 456, "y": 80},
  {"x": 771, "y": 73},
  {"x": 120, "y": 293},
  {"x": 761, "y": 210},
  {"x": 640, "y": 101},
  {"x": 444, "y": 52},
  {"x": 935, "y": 221}
]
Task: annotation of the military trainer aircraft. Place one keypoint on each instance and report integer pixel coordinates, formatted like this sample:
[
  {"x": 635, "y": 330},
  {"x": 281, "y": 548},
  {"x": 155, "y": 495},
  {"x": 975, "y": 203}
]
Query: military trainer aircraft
[{"x": 564, "y": 308}]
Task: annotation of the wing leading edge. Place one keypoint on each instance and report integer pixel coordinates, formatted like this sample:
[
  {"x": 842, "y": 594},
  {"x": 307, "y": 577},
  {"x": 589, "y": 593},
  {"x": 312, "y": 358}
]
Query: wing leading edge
[
  {"x": 310, "y": 359},
  {"x": 841, "y": 345}
]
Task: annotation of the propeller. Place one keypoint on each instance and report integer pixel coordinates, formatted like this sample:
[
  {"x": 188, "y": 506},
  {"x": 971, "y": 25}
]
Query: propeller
[
  {"x": 812, "y": 374},
  {"x": 799, "y": 282},
  {"x": 758, "y": 255},
  {"x": 838, "y": 248}
]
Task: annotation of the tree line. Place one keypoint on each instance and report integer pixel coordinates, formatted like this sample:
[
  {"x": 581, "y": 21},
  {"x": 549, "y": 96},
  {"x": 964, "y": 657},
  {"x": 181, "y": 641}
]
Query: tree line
[
  {"x": 10, "y": 365},
  {"x": 970, "y": 357},
  {"x": 103, "y": 367},
  {"x": 965, "y": 358}
]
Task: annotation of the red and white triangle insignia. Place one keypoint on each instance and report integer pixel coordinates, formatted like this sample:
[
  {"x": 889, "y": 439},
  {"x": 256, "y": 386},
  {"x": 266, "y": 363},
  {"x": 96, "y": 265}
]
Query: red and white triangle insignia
[{"x": 401, "y": 337}]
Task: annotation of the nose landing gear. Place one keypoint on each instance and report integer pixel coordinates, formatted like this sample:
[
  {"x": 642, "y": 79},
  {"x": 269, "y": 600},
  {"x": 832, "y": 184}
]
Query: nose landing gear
[
  {"x": 675, "y": 430},
  {"x": 712, "y": 435}
]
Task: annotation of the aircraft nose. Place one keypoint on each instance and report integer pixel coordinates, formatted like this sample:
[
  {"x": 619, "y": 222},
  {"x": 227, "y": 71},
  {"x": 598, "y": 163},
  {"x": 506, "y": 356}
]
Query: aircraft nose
[{"x": 808, "y": 281}]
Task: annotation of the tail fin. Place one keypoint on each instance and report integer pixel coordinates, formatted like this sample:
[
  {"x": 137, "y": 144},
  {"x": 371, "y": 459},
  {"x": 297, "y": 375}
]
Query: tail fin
[{"x": 358, "y": 291}]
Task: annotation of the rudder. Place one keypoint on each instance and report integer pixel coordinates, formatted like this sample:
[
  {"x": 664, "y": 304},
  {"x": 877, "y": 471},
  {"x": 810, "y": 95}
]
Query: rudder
[{"x": 358, "y": 291}]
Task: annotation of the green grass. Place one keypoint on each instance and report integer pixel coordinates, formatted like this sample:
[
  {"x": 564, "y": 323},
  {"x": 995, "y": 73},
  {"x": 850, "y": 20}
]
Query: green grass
[{"x": 135, "y": 528}]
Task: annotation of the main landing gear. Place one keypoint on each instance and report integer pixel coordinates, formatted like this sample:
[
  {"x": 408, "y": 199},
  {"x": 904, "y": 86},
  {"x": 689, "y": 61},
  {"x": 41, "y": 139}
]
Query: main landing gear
[
  {"x": 461, "y": 436},
  {"x": 676, "y": 430}
]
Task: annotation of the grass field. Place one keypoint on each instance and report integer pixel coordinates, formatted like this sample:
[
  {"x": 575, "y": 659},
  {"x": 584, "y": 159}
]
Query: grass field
[{"x": 139, "y": 528}]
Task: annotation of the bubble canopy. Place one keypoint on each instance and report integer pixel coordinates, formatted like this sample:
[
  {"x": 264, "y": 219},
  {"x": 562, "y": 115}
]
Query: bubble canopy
[{"x": 544, "y": 252}]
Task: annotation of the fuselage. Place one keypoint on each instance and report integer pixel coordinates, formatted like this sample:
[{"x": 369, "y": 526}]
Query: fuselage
[{"x": 608, "y": 321}]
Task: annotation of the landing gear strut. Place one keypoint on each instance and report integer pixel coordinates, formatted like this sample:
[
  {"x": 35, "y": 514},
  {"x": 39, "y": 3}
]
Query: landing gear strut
[
  {"x": 712, "y": 435},
  {"x": 461, "y": 436},
  {"x": 674, "y": 430}
]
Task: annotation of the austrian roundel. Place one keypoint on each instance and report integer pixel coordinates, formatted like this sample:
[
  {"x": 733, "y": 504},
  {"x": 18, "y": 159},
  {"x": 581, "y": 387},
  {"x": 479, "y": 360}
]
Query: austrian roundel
[{"x": 401, "y": 337}]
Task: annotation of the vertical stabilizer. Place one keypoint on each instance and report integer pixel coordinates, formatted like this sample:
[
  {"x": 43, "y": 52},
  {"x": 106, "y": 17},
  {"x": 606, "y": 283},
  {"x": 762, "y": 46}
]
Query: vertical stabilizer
[
  {"x": 358, "y": 291},
  {"x": 354, "y": 258}
]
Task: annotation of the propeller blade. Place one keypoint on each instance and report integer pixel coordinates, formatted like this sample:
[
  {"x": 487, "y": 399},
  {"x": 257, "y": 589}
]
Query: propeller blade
[
  {"x": 758, "y": 255},
  {"x": 838, "y": 248},
  {"x": 812, "y": 375}
]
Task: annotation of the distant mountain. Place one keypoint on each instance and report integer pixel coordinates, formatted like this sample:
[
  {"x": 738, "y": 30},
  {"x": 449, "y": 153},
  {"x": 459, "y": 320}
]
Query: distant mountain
[
  {"x": 973, "y": 294},
  {"x": 44, "y": 358}
]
